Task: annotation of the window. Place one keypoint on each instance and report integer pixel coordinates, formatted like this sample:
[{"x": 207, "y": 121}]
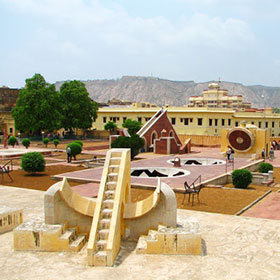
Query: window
[
  {"x": 186, "y": 121},
  {"x": 236, "y": 123},
  {"x": 252, "y": 122},
  {"x": 147, "y": 119},
  {"x": 260, "y": 124},
  {"x": 118, "y": 118},
  {"x": 139, "y": 119},
  {"x": 272, "y": 124},
  {"x": 191, "y": 119},
  {"x": 199, "y": 121},
  {"x": 181, "y": 120},
  {"x": 216, "y": 122},
  {"x": 111, "y": 118},
  {"x": 223, "y": 122},
  {"x": 210, "y": 122},
  {"x": 124, "y": 119},
  {"x": 266, "y": 124},
  {"x": 229, "y": 121},
  {"x": 11, "y": 130},
  {"x": 104, "y": 119},
  {"x": 173, "y": 120}
]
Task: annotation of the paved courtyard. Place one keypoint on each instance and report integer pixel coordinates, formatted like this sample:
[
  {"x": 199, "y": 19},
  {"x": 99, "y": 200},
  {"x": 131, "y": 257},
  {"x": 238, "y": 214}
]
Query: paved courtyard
[
  {"x": 206, "y": 172},
  {"x": 235, "y": 248}
]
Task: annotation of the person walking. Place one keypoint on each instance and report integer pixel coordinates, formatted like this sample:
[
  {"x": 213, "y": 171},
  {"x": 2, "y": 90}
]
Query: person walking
[
  {"x": 69, "y": 154},
  {"x": 271, "y": 153},
  {"x": 263, "y": 153}
]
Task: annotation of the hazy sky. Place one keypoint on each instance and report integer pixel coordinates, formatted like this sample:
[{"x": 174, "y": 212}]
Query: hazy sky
[{"x": 200, "y": 40}]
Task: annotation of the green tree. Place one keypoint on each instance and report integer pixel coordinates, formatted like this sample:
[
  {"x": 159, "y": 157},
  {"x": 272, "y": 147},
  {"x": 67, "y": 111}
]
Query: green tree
[
  {"x": 241, "y": 178},
  {"x": 46, "y": 141},
  {"x": 132, "y": 126},
  {"x": 33, "y": 162},
  {"x": 25, "y": 142},
  {"x": 56, "y": 142},
  {"x": 37, "y": 107},
  {"x": 12, "y": 141},
  {"x": 135, "y": 143},
  {"x": 78, "y": 110},
  {"x": 110, "y": 126},
  {"x": 75, "y": 149}
]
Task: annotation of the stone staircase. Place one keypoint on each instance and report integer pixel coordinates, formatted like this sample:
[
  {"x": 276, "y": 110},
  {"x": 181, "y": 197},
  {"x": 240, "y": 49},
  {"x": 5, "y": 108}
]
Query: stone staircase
[
  {"x": 100, "y": 256},
  {"x": 105, "y": 222},
  {"x": 72, "y": 239},
  {"x": 38, "y": 236}
]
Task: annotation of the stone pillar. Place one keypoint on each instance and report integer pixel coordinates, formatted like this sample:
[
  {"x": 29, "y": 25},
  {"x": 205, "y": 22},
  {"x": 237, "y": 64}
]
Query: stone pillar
[{"x": 5, "y": 138}]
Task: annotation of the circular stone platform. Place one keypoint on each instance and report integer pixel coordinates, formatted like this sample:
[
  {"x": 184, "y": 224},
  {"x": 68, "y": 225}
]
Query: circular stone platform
[
  {"x": 199, "y": 161},
  {"x": 154, "y": 172}
]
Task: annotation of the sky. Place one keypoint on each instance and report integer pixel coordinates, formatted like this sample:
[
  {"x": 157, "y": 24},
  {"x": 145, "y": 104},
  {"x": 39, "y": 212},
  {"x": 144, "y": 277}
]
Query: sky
[{"x": 183, "y": 40}]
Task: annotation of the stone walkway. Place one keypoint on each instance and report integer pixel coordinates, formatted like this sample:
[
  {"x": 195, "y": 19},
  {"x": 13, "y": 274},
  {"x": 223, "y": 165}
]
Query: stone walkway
[
  {"x": 267, "y": 208},
  {"x": 206, "y": 172},
  {"x": 235, "y": 248}
]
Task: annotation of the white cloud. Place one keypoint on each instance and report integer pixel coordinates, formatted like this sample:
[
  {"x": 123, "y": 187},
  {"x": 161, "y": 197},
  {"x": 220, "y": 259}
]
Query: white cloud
[
  {"x": 82, "y": 39},
  {"x": 115, "y": 27}
]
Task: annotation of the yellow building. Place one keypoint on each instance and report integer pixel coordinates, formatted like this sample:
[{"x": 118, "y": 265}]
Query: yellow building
[
  {"x": 8, "y": 97},
  {"x": 215, "y": 97},
  {"x": 194, "y": 122}
]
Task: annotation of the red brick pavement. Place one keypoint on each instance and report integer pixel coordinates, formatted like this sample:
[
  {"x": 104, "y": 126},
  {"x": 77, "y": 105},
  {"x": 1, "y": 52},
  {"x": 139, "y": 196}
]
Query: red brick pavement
[
  {"x": 206, "y": 172},
  {"x": 267, "y": 208}
]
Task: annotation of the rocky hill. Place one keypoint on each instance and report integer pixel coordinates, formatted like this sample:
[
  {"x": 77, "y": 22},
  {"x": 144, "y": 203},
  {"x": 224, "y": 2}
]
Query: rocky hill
[{"x": 175, "y": 93}]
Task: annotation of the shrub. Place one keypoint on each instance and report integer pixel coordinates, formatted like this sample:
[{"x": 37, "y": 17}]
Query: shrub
[
  {"x": 241, "y": 178},
  {"x": 79, "y": 142},
  {"x": 33, "y": 162},
  {"x": 25, "y": 142},
  {"x": 132, "y": 126},
  {"x": 46, "y": 141},
  {"x": 56, "y": 142},
  {"x": 75, "y": 149},
  {"x": 12, "y": 141},
  {"x": 135, "y": 143},
  {"x": 264, "y": 167},
  {"x": 110, "y": 126}
]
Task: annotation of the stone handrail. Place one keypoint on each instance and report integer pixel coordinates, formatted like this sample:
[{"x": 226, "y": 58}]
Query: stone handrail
[
  {"x": 137, "y": 209},
  {"x": 81, "y": 204}
]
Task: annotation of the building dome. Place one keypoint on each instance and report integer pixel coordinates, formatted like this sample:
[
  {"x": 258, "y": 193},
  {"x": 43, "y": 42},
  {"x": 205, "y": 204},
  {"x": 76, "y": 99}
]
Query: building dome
[{"x": 213, "y": 85}]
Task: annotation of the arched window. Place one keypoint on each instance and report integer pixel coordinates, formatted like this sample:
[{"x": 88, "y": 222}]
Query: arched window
[{"x": 153, "y": 137}]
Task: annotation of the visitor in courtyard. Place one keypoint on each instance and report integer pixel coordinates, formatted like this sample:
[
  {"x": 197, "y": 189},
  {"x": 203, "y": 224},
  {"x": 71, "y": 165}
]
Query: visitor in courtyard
[
  {"x": 263, "y": 154},
  {"x": 230, "y": 153},
  {"x": 274, "y": 144},
  {"x": 271, "y": 153},
  {"x": 69, "y": 154}
]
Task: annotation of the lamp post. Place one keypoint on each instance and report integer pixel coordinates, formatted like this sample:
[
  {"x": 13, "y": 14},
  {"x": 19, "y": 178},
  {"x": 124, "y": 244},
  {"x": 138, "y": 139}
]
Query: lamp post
[
  {"x": 264, "y": 103},
  {"x": 43, "y": 135}
]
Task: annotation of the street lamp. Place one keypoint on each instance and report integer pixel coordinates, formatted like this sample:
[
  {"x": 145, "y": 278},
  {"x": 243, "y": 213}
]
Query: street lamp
[
  {"x": 264, "y": 103},
  {"x": 43, "y": 135}
]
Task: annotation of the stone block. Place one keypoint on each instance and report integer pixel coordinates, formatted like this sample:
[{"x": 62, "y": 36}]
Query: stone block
[{"x": 10, "y": 218}]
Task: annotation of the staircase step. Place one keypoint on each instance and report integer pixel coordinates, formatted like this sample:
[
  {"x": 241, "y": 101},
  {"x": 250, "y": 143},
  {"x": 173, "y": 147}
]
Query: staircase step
[
  {"x": 109, "y": 194},
  {"x": 101, "y": 244},
  {"x": 113, "y": 176},
  {"x": 116, "y": 154},
  {"x": 115, "y": 160},
  {"x": 108, "y": 203},
  {"x": 69, "y": 234},
  {"x": 106, "y": 213},
  {"x": 111, "y": 185},
  {"x": 113, "y": 167},
  {"x": 104, "y": 223},
  {"x": 78, "y": 243},
  {"x": 100, "y": 258},
  {"x": 103, "y": 233}
]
